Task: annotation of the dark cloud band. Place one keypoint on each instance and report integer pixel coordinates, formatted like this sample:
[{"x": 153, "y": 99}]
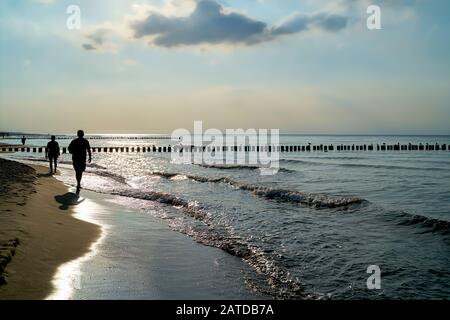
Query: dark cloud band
[{"x": 209, "y": 23}]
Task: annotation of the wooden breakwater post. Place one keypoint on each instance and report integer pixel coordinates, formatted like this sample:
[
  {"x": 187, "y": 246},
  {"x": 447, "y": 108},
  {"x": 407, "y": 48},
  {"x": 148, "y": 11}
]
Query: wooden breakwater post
[{"x": 383, "y": 147}]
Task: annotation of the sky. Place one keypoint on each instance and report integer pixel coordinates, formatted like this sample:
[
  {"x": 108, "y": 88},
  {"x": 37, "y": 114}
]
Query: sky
[{"x": 303, "y": 66}]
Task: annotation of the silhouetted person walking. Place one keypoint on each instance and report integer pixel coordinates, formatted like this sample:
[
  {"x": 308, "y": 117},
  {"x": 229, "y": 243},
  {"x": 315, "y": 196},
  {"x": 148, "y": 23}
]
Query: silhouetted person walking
[
  {"x": 24, "y": 140},
  {"x": 52, "y": 153},
  {"x": 78, "y": 148}
]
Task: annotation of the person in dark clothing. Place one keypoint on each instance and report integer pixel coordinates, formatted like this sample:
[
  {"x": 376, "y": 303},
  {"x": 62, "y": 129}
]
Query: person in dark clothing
[
  {"x": 52, "y": 153},
  {"x": 24, "y": 140},
  {"x": 78, "y": 148}
]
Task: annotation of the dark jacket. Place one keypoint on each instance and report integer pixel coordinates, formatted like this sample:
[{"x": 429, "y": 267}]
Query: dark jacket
[
  {"x": 78, "y": 148},
  {"x": 52, "y": 149}
]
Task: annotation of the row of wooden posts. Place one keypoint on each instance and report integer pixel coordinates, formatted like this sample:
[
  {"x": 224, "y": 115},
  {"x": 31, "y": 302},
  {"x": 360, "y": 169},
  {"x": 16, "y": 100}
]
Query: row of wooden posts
[
  {"x": 270, "y": 148},
  {"x": 90, "y": 137}
]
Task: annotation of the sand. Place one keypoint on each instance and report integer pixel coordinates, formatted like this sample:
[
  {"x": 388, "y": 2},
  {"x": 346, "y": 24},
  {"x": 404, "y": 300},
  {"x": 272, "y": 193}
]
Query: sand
[{"x": 37, "y": 234}]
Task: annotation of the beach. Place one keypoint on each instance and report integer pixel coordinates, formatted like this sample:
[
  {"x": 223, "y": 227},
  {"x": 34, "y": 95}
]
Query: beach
[
  {"x": 64, "y": 247},
  {"x": 170, "y": 230},
  {"x": 47, "y": 235}
]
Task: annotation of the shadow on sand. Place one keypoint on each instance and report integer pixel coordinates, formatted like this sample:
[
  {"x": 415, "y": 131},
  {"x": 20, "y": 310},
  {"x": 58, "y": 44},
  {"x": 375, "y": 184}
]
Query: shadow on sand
[{"x": 68, "y": 199}]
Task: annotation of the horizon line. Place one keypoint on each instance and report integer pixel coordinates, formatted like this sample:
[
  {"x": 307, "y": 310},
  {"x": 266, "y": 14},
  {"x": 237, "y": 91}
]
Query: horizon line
[{"x": 13, "y": 133}]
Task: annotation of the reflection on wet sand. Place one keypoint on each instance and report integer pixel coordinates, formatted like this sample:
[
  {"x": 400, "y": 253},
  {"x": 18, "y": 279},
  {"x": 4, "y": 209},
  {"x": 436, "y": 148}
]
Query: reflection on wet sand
[{"x": 68, "y": 276}]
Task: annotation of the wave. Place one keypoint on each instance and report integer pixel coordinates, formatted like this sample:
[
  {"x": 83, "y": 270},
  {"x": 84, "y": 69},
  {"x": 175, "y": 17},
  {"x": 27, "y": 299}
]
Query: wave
[
  {"x": 278, "y": 282},
  {"x": 151, "y": 196},
  {"x": 229, "y": 166},
  {"x": 107, "y": 174},
  {"x": 169, "y": 175},
  {"x": 315, "y": 200},
  {"x": 94, "y": 165},
  {"x": 240, "y": 167},
  {"x": 166, "y": 175},
  {"x": 428, "y": 224}
]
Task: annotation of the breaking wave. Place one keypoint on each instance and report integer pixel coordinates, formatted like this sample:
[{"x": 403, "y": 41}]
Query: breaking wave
[
  {"x": 315, "y": 200},
  {"x": 428, "y": 224},
  {"x": 107, "y": 174},
  {"x": 229, "y": 166},
  {"x": 277, "y": 282},
  {"x": 239, "y": 167}
]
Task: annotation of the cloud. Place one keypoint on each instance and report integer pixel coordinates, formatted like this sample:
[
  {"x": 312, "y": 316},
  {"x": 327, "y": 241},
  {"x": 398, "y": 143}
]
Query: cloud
[
  {"x": 98, "y": 36},
  {"x": 302, "y": 22},
  {"x": 211, "y": 23},
  {"x": 208, "y": 23},
  {"x": 88, "y": 47},
  {"x": 106, "y": 37}
]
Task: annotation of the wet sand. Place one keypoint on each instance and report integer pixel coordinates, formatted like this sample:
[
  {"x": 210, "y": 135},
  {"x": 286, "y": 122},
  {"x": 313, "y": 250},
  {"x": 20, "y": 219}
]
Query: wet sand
[
  {"x": 140, "y": 257},
  {"x": 37, "y": 233}
]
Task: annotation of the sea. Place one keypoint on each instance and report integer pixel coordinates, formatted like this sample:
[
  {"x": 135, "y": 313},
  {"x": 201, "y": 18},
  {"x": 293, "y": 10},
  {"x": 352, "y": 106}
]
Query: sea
[{"x": 316, "y": 229}]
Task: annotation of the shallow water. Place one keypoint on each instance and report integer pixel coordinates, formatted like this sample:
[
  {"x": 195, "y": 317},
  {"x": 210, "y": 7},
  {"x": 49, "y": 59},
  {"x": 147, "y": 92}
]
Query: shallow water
[
  {"x": 146, "y": 260},
  {"x": 288, "y": 228}
]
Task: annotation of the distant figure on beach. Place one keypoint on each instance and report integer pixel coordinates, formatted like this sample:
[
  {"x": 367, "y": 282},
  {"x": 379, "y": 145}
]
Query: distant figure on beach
[
  {"x": 52, "y": 152},
  {"x": 24, "y": 140},
  {"x": 78, "y": 148}
]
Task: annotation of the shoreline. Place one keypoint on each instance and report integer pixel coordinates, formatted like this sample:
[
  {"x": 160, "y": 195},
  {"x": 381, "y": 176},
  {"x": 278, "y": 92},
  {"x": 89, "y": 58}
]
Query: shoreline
[
  {"x": 48, "y": 232},
  {"x": 63, "y": 254},
  {"x": 140, "y": 257}
]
